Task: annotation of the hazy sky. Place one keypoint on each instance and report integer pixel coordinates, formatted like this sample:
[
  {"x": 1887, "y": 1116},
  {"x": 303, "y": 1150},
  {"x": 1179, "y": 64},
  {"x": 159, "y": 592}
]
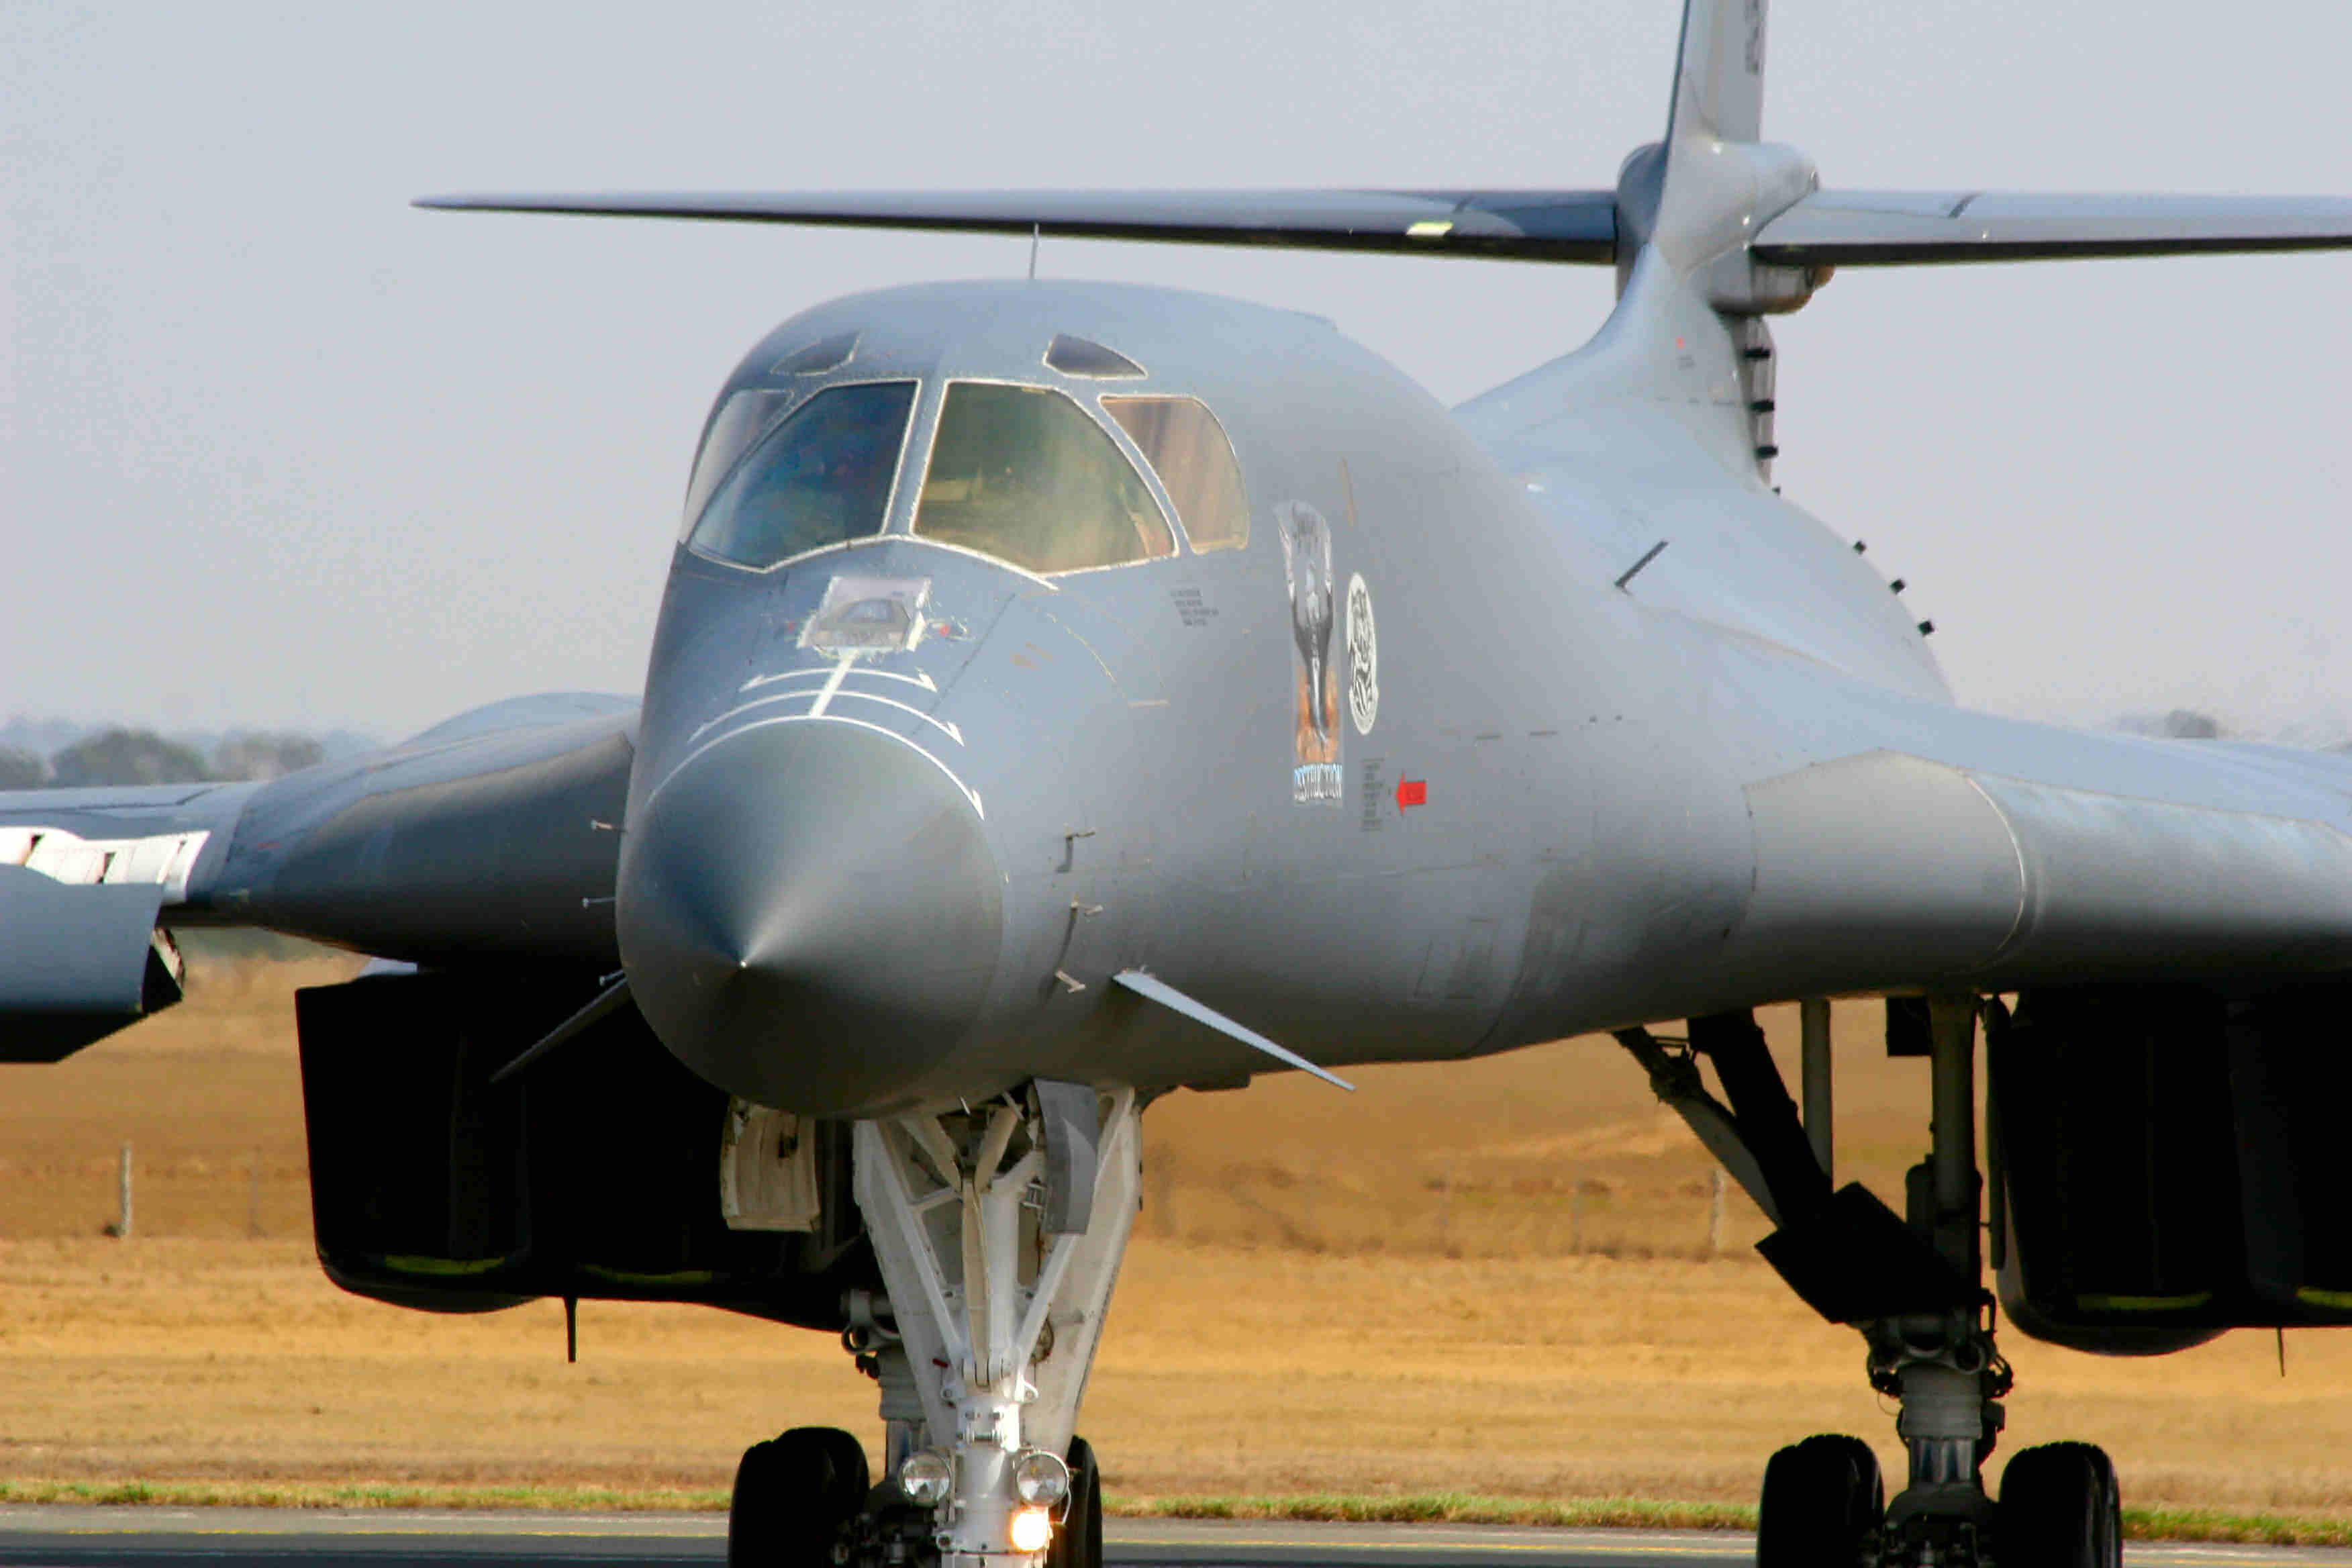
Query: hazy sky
[{"x": 276, "y": 448}]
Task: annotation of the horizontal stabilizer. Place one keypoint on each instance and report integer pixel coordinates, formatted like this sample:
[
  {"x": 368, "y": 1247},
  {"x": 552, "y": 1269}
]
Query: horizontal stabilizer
[
  {"x": 1900, "y": 229},
  {"x": 1530, "y": 226}
]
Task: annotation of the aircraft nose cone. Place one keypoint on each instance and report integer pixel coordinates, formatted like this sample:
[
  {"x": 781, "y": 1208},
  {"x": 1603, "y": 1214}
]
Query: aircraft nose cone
[{"x": 809, "y": 915}]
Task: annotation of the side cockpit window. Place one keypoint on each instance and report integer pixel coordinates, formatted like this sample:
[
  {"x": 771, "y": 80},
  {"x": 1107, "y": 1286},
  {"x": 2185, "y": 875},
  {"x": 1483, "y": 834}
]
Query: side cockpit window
[
  {"x": 822, "y": 477},
  {"x": 1021, "y": 473},
  {"x": 733, "y": 429},
  {"x": 1188, "y": 450}
]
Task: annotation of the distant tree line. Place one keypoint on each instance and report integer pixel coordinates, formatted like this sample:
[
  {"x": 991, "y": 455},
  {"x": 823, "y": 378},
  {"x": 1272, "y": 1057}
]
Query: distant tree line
[
  {"x": 143, "y": 757},
  {"x": 2181, "y": 724}
]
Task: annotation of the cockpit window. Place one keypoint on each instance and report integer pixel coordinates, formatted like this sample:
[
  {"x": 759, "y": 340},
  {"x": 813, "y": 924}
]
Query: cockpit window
[
  {"x": 1188, "y": 450},
  {"x": 820, "y": 478},
  {"x": 1022, "y": 474}
]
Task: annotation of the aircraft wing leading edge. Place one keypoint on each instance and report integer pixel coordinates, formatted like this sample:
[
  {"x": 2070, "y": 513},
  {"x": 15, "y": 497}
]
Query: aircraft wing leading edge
[
  {"x": 1897, "y": 228},
  {"x": 1531, "y": 225},
  {"x": 1823, "y": 228},
  {"x": 491, "y": 839}
]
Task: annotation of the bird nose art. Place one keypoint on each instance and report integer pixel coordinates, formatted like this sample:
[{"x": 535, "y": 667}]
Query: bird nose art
[{"x": 810, "y": 915}]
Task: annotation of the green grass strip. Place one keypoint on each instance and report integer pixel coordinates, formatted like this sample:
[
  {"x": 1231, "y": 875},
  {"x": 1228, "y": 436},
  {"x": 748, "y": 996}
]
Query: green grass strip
[
  {"x": 1443, "y": 1508},
  {"x": 1638, "y": 1513},
  {"x": 2213, "y": 1524},
  {"x": 1418, "y": 1507}
]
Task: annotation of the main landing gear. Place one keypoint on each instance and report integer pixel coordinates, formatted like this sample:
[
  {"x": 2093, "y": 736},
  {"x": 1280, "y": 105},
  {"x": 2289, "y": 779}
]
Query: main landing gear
[
  {"x": 1913, "y": 1286},
  {"x": 999, "y": 1231}
]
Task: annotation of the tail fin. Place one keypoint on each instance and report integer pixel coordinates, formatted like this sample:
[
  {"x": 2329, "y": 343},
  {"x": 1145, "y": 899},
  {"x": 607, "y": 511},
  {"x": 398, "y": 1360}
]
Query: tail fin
[
  {"x": 1698, "y": 197},
  {"x": 1714, "y": 187},
  {"x": 1719, "y": 72}
]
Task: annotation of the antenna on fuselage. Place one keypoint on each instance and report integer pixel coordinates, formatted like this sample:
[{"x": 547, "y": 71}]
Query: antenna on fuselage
[{"x": 1036, "y": 229}]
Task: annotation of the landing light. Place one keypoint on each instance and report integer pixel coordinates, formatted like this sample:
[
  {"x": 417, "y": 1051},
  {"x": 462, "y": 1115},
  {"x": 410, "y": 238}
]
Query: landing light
[
  {"x": 1033, "y": 1530},
  {"x": 1040, "y": 1477},
  {"x": 926, "y": 1477}
]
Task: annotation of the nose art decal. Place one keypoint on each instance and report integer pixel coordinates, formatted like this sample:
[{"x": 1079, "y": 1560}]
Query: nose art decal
[
  {"x": 1307, "y": 562},
  {"x": 1363, "y": 658}
]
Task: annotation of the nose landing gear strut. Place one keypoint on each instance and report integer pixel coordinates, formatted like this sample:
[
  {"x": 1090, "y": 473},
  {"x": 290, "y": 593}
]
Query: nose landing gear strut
[{"x": 998, "y": 1231}]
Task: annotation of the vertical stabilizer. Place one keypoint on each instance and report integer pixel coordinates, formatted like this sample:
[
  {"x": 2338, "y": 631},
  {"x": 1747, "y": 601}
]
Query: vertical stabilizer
[
  {"x": 1704, "y": 192},
  {"x": 1691, "y": 293},
  {"x": 1719, "y": 72}
]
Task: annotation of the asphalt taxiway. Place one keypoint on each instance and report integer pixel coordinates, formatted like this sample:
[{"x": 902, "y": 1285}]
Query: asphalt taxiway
[{"x": 62, "y": 1537}]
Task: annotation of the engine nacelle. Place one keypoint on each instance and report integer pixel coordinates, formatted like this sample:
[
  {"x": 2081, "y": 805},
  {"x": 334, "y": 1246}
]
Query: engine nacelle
[
  {"x": 605, "y": 1170},
  {"x": 2165, "y": 1164}
]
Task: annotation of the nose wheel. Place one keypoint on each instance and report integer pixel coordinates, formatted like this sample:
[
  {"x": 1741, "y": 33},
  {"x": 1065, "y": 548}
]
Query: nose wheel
[
  {"x": 794, "y": 1495},
  {"x": 1078, "y": 1543}
]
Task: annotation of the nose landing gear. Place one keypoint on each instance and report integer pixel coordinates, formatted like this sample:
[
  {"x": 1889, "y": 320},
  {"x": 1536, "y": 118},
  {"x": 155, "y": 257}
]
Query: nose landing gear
[{"x": 998, "y": 1232}]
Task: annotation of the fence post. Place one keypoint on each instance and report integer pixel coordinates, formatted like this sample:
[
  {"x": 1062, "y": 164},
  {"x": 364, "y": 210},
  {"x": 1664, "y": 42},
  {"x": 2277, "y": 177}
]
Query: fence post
[
  {"x": 123, "y": 1192},
  {"x": 1444, "y": 1206},
  {"x": 1715, "y": 1213}
]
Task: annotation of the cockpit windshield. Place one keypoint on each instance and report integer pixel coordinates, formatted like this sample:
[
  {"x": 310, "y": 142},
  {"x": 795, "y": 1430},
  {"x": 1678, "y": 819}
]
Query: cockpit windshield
[
  {"x": 1023, "y": 474},
  {"x": 822, "y": 477}
]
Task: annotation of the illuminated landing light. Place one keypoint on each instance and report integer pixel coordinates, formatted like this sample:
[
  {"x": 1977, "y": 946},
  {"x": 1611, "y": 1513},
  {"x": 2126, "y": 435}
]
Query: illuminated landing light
[
  {"x": 1032, "y": 1530},
  {"x": 1430, "y": 228}
]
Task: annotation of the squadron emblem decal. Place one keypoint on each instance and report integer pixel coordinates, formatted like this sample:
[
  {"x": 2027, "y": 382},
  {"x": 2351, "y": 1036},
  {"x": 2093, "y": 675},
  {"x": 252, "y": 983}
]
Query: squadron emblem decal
[
  {"x": 1314, "y": 776},
  {"x": 1363, "y": 658}
]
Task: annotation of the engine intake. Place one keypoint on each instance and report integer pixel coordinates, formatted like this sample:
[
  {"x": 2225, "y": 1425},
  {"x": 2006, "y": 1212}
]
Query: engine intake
[
  {"x": 604, "y": 1170},
  {"x": 2163, "y": 1161}
]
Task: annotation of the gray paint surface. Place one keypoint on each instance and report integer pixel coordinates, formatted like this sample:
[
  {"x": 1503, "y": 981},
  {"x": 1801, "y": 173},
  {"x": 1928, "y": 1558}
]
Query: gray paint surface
[
  {"x": 1534, "y": 225},
  {"x": 1581, "y": 799}
]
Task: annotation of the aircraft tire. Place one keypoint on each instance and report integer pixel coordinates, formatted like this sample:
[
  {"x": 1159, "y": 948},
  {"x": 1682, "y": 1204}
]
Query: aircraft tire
[
  {"x": 793, "y": 1494},
  {"x": 1078, "y": 1543},
  {"x": 1823, "y": 1501},
  {"x": 2061, "y": 1508}
]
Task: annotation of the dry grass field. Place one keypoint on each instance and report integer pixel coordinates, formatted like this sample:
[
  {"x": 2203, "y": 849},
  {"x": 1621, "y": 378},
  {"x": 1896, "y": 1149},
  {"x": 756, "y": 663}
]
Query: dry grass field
[{"x": 1492, "y": 1277}]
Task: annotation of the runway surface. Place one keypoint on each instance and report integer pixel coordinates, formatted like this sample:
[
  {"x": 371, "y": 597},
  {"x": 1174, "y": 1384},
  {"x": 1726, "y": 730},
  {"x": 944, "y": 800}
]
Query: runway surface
[{"x": 57, "y": 1537}]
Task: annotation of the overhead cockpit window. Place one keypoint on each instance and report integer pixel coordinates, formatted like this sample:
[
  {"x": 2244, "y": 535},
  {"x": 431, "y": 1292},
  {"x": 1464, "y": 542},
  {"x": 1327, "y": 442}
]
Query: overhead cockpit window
[
  {"x": 825, "y": 354},
  {"x": 1081, "y": 356},
  {"x": 1188, "y": 450},
  {"x": 1022, "y": 474},
  {"x": 820, "y": 478}
]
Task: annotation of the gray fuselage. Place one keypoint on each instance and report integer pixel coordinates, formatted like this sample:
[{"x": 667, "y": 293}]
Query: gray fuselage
[{"x": 1536, "y": 822}]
